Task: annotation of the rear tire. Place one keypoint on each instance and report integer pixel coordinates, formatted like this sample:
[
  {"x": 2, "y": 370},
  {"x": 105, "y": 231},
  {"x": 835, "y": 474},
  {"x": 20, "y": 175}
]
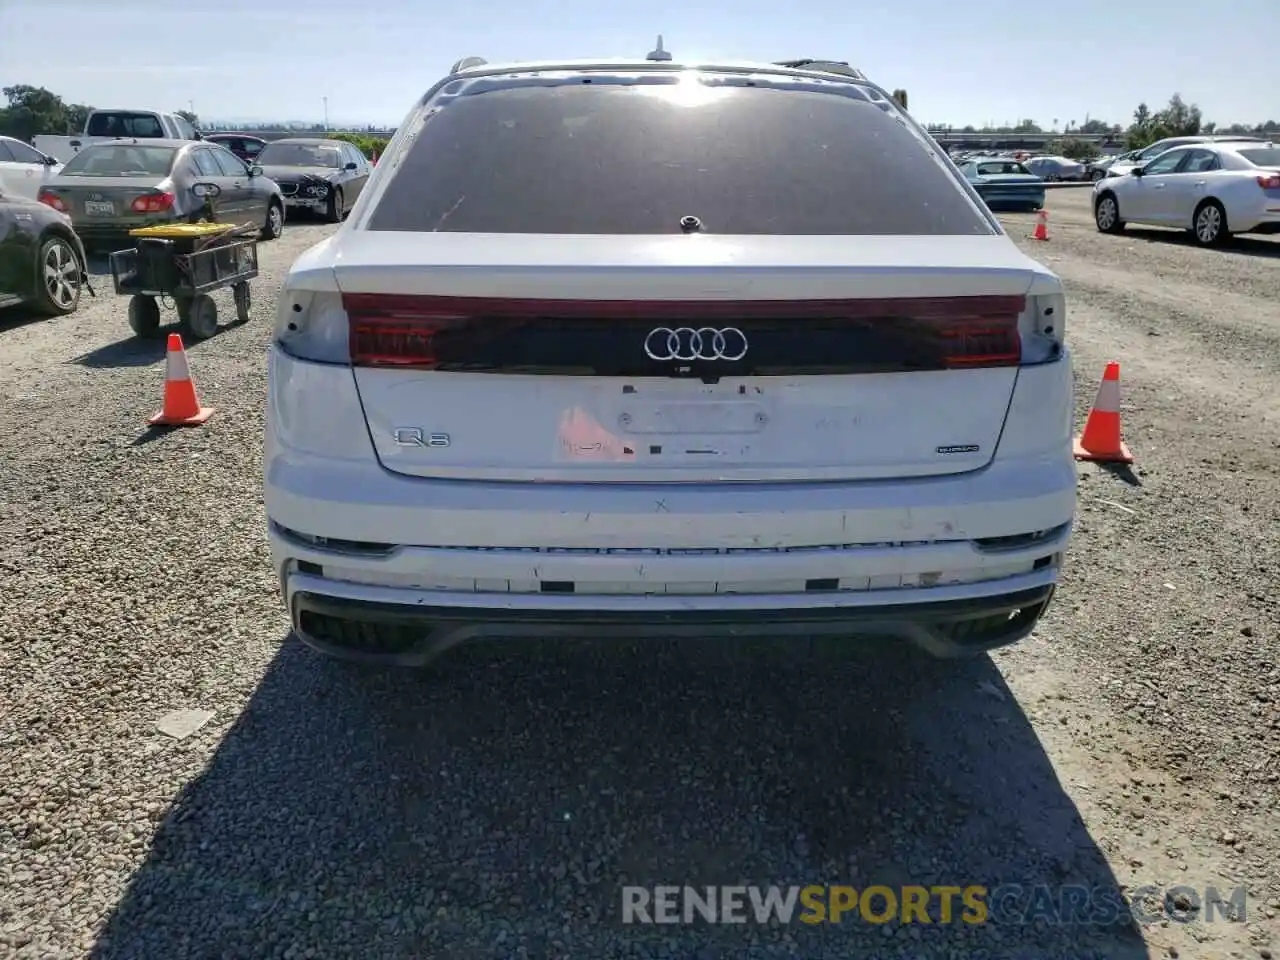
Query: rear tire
[
  {"x": 1209, "y": 225},
  {"x": 58, "y": 277},
  {"x": 1106, "y": 214},
  {"x": 199, "y": 316},
  {"x": 144, "y": 316}
]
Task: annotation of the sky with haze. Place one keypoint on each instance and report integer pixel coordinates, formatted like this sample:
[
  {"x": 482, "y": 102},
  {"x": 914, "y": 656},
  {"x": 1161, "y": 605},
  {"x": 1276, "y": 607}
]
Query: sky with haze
[{"x": 962, "y": 63}]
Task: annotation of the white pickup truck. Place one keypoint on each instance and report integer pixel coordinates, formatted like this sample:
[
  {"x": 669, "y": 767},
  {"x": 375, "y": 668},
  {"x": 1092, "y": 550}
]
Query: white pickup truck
[{"x": 111, "y": 124}]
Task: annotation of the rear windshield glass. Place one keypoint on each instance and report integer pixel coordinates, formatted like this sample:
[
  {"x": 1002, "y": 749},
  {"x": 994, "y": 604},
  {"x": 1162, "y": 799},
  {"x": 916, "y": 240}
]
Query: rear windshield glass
[
  {"x": 299, "y": 155},
  {"x": 117, "y": 123},
  {"x": 124, "y": 160},
  {"x": 1263, "y": 156},
  {"x": 636, "y": 159}
]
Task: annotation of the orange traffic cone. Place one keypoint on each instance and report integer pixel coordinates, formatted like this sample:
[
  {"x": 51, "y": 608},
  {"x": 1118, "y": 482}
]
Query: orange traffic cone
[
  {"x": 1042, "y": 226},
  {"x": 181, "y": 405},
  {"x": 1101, "y": 441}
]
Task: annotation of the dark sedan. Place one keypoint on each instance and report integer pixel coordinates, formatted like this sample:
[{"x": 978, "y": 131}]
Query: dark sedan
[
  {"x": 42, "y": 261},
  {"x": 111, "y": 188},
  {"x": 243, "y": 145},
  {"x": 322, "y": 176}
]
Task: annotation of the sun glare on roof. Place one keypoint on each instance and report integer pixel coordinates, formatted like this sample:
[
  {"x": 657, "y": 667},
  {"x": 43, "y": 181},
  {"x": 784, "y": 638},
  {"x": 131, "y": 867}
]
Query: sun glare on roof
[{"x": 687, "y": 91}]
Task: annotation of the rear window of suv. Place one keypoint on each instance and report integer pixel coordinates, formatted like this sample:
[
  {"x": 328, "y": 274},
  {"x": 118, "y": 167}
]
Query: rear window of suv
[
  {"x": 612, "y": 158},
  {"x": 118, "y": 123}
]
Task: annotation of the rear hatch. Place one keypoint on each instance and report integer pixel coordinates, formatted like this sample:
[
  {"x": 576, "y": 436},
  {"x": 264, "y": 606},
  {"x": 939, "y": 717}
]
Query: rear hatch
[{"x": 683, "y": 358}]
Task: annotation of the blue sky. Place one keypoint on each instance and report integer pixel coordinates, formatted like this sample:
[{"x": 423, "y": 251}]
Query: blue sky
[{"x": 961, "y": 63}]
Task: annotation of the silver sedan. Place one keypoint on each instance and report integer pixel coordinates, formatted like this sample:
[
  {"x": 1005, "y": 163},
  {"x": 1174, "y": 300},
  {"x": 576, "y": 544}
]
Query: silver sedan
[{"x": 110, "y": 188}]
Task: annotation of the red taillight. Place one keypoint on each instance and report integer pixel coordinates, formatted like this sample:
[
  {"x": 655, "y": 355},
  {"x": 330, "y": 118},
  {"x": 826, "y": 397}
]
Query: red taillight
[
  {"x": 1270, "y": 183},
  {"x": 51, "y": 199},
  {"x": 153, "y": 203},
  {"x": 398, "y": 331},
  {"x": 426, "y": 332}
]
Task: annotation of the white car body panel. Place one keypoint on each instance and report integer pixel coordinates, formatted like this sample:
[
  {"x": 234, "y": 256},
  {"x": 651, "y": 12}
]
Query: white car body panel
[
  {"x": 551, "y": 428},
  {"x": 21, "y": 178},
  {"x": 786, "y": 498},
  {"x": 1171, "y": 199}
]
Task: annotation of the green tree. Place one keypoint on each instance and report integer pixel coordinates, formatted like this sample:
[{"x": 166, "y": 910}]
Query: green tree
[
  {"x": 900, "y": 96},
  {"x": 1075, "y": 148},
  {"x": 77, "y": 117},
  {"x": 368, "y": 145},
  {"x": 190, "y": 117},
  {"x": 1179, "y": 118},
  {"x": 32, "y": 111}
]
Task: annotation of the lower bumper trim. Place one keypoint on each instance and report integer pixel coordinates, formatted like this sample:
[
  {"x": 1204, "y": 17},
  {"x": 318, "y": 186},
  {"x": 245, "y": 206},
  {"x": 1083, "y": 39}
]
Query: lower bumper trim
[{"x": 414, "y": 635}]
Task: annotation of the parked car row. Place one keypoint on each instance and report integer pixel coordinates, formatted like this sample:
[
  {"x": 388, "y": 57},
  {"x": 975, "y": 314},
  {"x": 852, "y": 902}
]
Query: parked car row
[
  {"x": 1047, "y": 167},
  {"x": 1213, "y": 187},
  {"x": 54, "y": 212},
  {"x": 1126, "y": 162}
]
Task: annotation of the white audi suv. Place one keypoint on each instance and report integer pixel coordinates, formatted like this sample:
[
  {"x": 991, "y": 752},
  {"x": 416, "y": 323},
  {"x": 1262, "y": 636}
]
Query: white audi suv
[{"x": 650, "y": 348}]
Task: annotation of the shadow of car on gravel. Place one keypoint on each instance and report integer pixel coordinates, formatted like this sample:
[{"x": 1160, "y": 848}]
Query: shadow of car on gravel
[
  {"x": 1250, "y": 245},
  {"x": 13, "y": 318},
  {"x": 497, "y": 807}
]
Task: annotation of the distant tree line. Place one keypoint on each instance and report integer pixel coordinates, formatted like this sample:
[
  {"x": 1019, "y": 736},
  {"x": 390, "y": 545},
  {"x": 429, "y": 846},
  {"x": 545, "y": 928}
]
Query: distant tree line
[
  {"x": 34, "y": 110},
  {"x": 1177, "y": 119}
]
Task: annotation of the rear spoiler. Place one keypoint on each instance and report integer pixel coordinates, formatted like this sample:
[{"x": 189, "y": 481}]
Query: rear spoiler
[{"x": 824, "y": 66}]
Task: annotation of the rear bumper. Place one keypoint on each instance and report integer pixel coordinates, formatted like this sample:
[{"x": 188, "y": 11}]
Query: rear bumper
[
  {"x": 1265, "y": 220},
  {"x": 113, "y": 234},
  {"x": 1011, "y": 199},
  {"x": 372, "y": 625},
  {"x": 383, "y": 567}
]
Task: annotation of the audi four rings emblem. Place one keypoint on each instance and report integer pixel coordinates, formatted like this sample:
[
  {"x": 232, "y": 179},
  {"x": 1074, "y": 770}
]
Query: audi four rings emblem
[{"x": 686, "y": 343}]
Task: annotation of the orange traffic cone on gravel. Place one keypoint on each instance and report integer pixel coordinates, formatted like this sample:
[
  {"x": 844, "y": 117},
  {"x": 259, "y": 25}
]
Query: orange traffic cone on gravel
[
  {"x": 1101, "y": 441},
  {"x": 1042, "y": 226},
  {"x": 181, "y": 405}
]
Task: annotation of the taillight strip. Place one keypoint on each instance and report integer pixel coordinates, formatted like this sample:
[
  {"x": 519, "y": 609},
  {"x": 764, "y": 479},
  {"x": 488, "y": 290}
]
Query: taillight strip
[
  {"x": 426, "y": 332},
  {"x": 410, "y": 306}
]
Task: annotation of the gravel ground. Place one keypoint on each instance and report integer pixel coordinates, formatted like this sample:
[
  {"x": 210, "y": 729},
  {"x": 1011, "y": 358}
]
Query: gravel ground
[{"x": 496, "y": 807}]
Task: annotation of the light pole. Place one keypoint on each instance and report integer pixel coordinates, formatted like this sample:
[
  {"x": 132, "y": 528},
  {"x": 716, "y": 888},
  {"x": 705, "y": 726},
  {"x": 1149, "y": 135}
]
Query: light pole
[{"x": 326, "y": 115}]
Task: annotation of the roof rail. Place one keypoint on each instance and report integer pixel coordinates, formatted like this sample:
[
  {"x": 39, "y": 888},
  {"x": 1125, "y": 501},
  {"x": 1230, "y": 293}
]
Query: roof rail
[
  {"x": 466, "y": 63},
  {"x": 825, "y": 66}
]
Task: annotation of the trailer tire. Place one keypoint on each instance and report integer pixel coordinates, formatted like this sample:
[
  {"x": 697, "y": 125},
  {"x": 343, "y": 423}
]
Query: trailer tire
[
  {"x": 199, "y": 315},
  {"x": 144, "y": 316}
]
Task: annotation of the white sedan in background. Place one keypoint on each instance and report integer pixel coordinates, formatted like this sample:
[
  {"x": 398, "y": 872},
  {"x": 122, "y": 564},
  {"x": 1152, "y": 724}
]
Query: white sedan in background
[
  {"x": 24, "y": 169},
  {"x": 1213, "y": 190}
]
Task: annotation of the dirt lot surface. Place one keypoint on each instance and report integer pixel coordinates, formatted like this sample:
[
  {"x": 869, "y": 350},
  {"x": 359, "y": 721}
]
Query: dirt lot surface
[{"x": 497, "y": 807}]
